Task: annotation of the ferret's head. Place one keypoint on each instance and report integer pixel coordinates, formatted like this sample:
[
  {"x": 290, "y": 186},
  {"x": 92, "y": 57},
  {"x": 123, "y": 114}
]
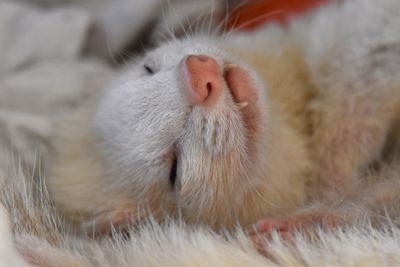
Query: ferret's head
[{"x": 182, "y": 130}]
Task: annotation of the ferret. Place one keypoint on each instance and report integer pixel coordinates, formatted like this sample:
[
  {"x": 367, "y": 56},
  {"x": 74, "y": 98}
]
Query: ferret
[
  {"x": 277, "y": 128},
  {"x": 226, "y": 131},
  {"x": 191, "y": 132}
]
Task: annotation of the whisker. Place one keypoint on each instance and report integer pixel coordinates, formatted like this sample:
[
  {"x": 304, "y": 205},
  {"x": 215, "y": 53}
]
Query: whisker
[
  {"x": 257, "y": 19},
  {"x": 178, "y": 18},
  {"x": 166, "y": 28},
  {"x": 228, "y": 12},
  {"x": 109, "y": 46},
  {"x": 211, "y": 20}
]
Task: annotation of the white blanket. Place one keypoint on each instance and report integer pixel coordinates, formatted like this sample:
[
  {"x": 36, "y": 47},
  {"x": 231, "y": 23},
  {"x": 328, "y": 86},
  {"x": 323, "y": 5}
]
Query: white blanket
[{"x": 42, "y": 74}]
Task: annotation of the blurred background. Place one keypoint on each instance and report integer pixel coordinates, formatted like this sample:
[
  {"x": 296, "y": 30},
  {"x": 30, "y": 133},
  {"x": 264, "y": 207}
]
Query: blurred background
[
  {"x": 118, "y": 25},
  {"x": 54, "y": 54}
]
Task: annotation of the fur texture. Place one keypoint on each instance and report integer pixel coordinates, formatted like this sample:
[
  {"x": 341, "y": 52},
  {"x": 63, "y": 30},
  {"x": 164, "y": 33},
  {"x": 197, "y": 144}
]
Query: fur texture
[
  {"x": 325, "y": 99},
  {"x": 330, "y": 103},
  {"x": 142, "y": 124},
  {"x": 42, "y": 237}
]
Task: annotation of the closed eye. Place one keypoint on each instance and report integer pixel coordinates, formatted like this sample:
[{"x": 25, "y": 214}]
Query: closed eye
[
  {"x": 148, "y": 69},
  {"x": 172, "y": 174}
]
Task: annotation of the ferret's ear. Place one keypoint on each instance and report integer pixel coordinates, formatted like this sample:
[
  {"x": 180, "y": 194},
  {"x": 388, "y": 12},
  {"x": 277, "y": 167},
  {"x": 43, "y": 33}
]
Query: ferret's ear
[{"x": 105, "y": 223}]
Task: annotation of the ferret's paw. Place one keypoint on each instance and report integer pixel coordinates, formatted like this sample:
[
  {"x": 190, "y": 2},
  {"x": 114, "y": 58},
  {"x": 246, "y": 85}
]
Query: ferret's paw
[
  {"x": 103, "y": 225},
  {"x": 305, "y": 224}
]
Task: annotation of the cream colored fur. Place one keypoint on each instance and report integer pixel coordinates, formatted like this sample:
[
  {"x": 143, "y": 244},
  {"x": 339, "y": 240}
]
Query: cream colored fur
[
  {"x": 327, "y": 98},
  {"x": 40, "y": 235},
  {"x": 232, "y": 170}
]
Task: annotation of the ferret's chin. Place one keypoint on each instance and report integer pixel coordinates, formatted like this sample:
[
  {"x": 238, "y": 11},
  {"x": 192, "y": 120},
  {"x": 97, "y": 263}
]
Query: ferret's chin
[{"x": 225, "y": 141}]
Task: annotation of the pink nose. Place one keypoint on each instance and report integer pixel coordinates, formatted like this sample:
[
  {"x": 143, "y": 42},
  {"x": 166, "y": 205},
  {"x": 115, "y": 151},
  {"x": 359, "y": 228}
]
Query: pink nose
[{"x": 204, "y": 79}]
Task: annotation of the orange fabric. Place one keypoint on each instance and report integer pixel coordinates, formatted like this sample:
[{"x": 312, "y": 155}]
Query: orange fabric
[{"x": 257, "y": 12}]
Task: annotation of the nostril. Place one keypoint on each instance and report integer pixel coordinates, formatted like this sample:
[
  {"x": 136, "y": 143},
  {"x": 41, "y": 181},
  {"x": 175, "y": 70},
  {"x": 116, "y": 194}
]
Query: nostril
[
  {"x": 205, "y": 81},
  {"x": 209, "y": 87}
]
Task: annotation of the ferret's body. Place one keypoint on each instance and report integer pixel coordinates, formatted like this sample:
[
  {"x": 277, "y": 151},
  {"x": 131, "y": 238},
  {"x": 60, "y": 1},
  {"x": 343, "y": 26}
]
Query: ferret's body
[
  {"x": 82, "y": 186},
  {"x": 322, "y": 105},
  {"x": 290, "y": 117}
]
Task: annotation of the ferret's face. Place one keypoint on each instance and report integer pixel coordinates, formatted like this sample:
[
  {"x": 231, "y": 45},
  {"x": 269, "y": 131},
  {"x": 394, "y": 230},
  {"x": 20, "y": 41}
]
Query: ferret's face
[{"x": 181, "y": 131}]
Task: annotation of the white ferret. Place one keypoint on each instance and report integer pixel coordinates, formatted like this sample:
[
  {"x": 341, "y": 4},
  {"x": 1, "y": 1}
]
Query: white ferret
[
  {"x": 227, "y": 131},
  {"x": 280, "y": 127}
]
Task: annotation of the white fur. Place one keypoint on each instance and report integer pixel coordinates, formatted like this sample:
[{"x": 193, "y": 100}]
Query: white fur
[
  {"x": 176, "y": 244},
  {"x": 135, "y": 135},
  {"x": 142, "y": 120},
  {"x": 8, "y": 253}
]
